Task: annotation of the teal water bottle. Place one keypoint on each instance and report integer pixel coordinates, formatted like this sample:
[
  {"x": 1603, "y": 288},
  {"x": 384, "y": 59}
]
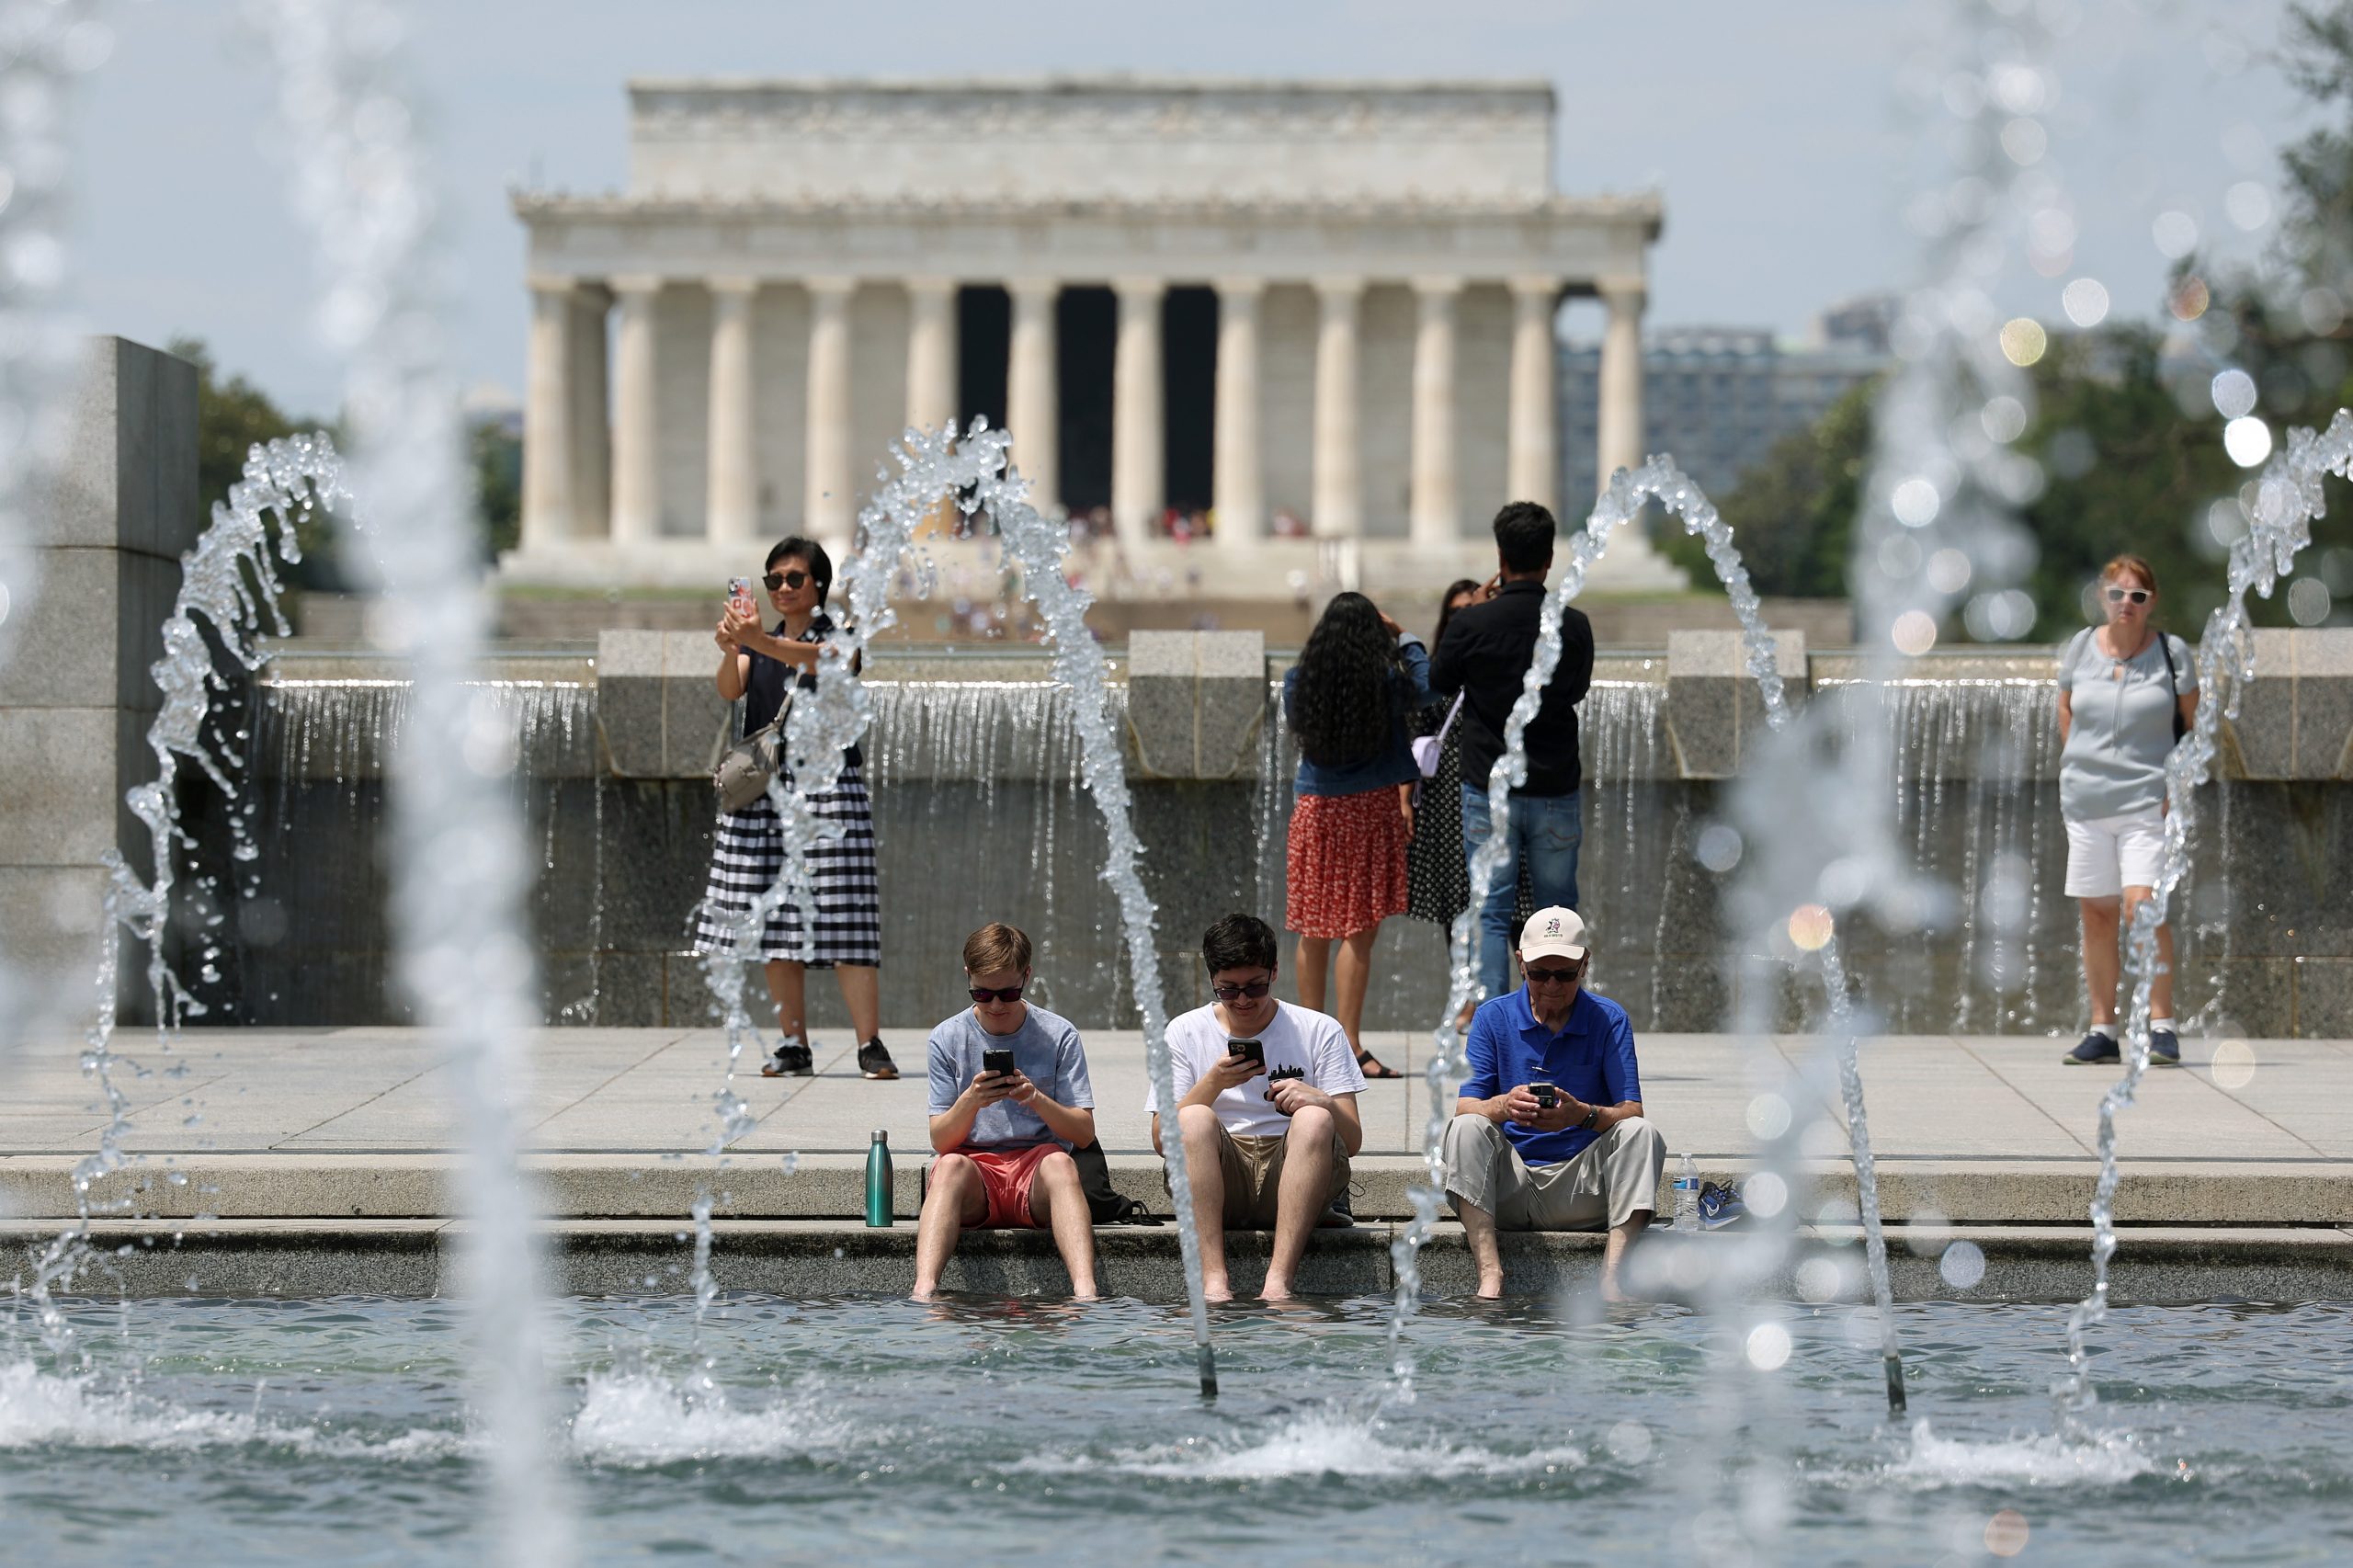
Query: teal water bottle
[{"x": 878, "y": 1180}]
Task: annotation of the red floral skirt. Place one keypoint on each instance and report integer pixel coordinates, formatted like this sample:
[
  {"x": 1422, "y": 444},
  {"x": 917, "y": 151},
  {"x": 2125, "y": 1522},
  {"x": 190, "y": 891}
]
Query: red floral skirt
[{"x": 1345, "y": 867}]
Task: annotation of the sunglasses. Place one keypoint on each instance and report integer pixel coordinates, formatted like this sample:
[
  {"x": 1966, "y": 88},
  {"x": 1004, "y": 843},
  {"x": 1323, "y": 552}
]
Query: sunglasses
[
  {"x": 995, "y": 994},
  {"x": 1554, "y": 976},
  {"x": 776, "y": 580},
  {"x": 1255, "y": 990},
  {"x": 2118, "y": 595}
]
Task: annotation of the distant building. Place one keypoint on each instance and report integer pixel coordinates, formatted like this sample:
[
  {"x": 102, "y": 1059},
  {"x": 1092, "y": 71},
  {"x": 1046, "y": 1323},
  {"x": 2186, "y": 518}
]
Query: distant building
[{"x": 1719, "y": 398}]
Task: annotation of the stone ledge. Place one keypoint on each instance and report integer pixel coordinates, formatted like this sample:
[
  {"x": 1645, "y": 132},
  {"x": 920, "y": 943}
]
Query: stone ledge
[
  {"x": 756, "y": 1188},
  {"x": 415, "y": 1258}
]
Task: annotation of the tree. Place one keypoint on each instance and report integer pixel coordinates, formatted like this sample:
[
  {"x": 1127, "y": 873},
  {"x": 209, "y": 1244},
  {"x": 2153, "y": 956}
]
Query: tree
[
  {"x": 1793, "y": 516},
  {"x": 498, "y": 482},
  {"x": 233, "y": 416}
]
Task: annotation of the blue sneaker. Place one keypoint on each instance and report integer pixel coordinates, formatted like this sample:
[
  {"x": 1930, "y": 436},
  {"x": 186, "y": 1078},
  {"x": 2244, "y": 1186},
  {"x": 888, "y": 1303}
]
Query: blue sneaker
[
  {"x": 2096, "y": 1050},
  {"x": 1721, "y": 1206},
  {"x": 2164, "y": 1049}
]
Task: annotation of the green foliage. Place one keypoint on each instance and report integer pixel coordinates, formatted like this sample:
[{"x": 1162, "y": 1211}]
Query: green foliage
[
  {"x": 233, "y": 416},
  {"x": 1793, "y": 516},
  {"x": 2126, "y": 472},
  {"x": 498, "y": 483}
]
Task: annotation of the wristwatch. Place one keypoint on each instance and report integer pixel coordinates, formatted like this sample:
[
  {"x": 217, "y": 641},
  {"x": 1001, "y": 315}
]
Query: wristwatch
[{"x": 1591, "y": 1113}]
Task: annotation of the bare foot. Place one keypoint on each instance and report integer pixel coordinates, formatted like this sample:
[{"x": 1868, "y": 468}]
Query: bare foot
[
  {"x": 1086, "y": 1295},
  {"x": 1491, "y": 1289},
  {"x": 1609, "y": 1292},
  {"x": 1220, "y": 1291},
  {"x": 920, "y": 1296},
  {"x": 1274, "y": 1292}
]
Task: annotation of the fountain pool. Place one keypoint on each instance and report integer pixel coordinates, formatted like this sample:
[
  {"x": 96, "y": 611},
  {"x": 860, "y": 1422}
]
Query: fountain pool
[{"x": 877, "y": 1431}]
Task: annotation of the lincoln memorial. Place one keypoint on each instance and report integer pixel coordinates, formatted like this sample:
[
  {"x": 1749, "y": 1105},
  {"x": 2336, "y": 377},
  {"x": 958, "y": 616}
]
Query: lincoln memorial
[{"x": 1322, "y": 313}]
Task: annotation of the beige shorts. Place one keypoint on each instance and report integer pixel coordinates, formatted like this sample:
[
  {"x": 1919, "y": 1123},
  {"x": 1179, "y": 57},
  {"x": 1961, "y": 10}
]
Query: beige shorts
[{"x": 1252, "y": 1169}]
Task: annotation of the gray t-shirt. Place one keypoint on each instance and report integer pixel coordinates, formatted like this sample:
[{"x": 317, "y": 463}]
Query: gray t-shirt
[
  {"x": 2114, "y": 763},
  {"x": 1047, "y": 1051}
]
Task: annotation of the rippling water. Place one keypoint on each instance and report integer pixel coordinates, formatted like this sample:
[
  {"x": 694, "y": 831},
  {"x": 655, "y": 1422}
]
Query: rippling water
[{"x": 879, "y": 1431}]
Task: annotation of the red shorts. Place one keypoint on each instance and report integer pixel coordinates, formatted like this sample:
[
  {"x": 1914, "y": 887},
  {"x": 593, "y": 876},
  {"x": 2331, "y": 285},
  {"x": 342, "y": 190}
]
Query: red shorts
[{"x": 1007, "y": 1178}]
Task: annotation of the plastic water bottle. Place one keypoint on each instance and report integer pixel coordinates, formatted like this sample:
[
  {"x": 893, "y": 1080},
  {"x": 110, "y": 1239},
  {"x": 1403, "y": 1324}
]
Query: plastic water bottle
[
  {"x": 878, "y": 1181},
  {"x": 1686, "y": 1197}
]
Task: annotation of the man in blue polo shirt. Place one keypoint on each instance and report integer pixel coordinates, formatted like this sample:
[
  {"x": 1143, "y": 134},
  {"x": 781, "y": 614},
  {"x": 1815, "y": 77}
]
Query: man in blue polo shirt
[{"x": 1548, "y": 1134}]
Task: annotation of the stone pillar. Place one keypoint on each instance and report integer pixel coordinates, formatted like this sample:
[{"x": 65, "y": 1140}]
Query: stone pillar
[
  {"x": 931, "y": 352},
  {"x": 1238, "y": 488},
  {"x": 732, "y": 495},
  {"x": 106, "y": 542},
  {"x": 1534, "y": 464},
  {"x": 1621, "y": 422},
  {"x": 547, "y": 417},
  {"x": 637, "y": 481},
  {"x": 1435, "y": 504},
  {"x": 1338, "y": 504},
  {"x": 592, "y": 416},
  {"x": 1032, "y": 397},
  {"x": 1138, "y": 419},
  {"x": 828, "y": 514}
]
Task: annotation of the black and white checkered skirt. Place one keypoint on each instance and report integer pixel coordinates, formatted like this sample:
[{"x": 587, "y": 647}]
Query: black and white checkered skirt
[{"x": 748, "y": 852}]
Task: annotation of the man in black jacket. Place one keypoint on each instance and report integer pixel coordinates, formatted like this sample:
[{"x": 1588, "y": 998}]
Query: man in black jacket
[{"x": 1485, "y": 654}]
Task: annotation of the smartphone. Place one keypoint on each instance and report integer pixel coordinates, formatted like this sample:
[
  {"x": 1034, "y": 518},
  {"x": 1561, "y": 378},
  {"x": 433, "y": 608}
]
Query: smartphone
[
  {"x": 1547, "y": 1097},
  {"x": 739, "y": 595},
  {"x": 997, "y": 1060},
  {"x": 1247, "y": 1048}
]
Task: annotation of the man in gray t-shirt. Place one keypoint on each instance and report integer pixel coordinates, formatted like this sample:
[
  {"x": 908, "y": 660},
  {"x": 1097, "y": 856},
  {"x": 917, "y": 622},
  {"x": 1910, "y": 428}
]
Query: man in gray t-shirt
[{"x": 1009, "y": 1100}]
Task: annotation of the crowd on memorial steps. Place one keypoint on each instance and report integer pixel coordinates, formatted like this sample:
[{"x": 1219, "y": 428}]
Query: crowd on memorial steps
[{"x": 1397, "y": 739}]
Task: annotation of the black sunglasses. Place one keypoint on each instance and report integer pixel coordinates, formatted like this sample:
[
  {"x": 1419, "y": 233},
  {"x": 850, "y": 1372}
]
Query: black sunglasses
[
  {"x": 2118, "y": 595},
  {"x": 1554, "y": 976},
  {"x": 995, "y": 994},
  {"x": 776, "y": 580},
  {"x": 1255, "y": 990}
]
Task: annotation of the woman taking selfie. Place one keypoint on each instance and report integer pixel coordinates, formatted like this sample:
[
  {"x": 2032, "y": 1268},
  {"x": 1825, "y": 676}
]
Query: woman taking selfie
[
  {"x": 2127, "y": 692},
  {"x": 759, "y": 667},
  {"x": 1347, "y": 700}
]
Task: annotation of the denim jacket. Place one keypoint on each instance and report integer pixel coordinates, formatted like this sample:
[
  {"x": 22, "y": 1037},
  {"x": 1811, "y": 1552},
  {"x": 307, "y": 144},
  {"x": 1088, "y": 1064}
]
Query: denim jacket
[{"x": 1394, "y": 763}]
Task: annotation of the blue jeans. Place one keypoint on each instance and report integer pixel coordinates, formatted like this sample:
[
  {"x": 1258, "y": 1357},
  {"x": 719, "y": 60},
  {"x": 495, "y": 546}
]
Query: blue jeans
[{"x": 1546, "y": 831}]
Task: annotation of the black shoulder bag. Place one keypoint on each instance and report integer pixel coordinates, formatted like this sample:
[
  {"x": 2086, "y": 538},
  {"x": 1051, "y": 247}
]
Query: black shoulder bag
[{"x": 2173, "y": 686}]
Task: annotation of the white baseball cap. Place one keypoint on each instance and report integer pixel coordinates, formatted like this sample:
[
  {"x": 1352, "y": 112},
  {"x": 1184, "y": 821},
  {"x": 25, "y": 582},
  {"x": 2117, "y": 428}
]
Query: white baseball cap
[{"x": 1552, "y": 933}]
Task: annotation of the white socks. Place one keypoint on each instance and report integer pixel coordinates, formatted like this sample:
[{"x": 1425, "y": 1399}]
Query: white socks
[
  {"x": 2108, "y": 1029},
  {"x": 2157, "y": 1024}
]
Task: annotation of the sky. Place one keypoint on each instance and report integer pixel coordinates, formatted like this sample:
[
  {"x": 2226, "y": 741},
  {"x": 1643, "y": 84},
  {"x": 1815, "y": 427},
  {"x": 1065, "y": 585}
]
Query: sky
[{"x": 1774, "y": 131}]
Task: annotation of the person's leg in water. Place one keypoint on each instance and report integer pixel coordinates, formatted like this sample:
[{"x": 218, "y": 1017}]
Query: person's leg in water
[{"x": 954, "y": 1200}]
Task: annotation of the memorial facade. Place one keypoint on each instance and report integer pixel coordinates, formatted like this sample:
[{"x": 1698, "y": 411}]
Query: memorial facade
[{"x": 1322, "y": 312}]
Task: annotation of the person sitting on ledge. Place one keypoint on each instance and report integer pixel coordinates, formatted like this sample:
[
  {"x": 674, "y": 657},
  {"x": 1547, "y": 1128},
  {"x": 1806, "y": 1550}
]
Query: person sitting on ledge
[
  {"x": 1267, "y": 1105},
  {"x": 1009, "y": 1100},
  {"x": 1548, "y": 1133}
]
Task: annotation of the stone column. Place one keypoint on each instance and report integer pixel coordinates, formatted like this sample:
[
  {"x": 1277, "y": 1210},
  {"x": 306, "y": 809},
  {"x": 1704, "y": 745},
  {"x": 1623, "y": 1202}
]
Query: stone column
[
  {"x": 732, "y": 510},
  {"x": 592, "y": 416},
  {"x": 828, "y": 514},
  {"x": 1621, "y": 422},
  {"x": 1534, "y": 464},
  {"x": 1032, "y": 397},
  {"x": 931, "y": 352},
  {"x": 1138, "y": 419},
  {"x": 1338, "y": 505},
  {"x": 1238, "y": 488},
  {"x": 637, "y": 481},
  {"x": 1434, "y": 505},
  {"x": 547, "y": 417}
]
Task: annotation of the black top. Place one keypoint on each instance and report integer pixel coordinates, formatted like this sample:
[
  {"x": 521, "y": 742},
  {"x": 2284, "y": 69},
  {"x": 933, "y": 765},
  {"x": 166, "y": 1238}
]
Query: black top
[
  {"x": 763, "y": 687},
  {"x": 1485, "y": 654}
]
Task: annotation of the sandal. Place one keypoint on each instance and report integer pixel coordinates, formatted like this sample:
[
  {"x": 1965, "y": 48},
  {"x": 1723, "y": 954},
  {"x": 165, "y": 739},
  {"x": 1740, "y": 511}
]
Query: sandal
[{"x": 1370, "y": 1066}]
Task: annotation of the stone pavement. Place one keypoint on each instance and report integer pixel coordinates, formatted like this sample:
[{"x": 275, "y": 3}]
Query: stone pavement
[{"x": 360, "y": 1122}]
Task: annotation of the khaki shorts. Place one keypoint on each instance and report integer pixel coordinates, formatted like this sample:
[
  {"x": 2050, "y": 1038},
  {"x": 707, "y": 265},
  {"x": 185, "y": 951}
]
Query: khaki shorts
[{"x": 1253, "y": 1171}]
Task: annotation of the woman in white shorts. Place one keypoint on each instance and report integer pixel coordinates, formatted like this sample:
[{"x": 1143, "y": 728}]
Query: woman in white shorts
[{"x": 2127, "y": 692}]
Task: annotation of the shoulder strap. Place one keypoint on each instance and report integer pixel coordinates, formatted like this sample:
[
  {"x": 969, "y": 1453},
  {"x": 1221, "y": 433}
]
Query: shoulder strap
[
  {"x": 2075, "y": 650},
  {"x": 1450, "y": 712},
  {"x": 2172, "y": 682}
]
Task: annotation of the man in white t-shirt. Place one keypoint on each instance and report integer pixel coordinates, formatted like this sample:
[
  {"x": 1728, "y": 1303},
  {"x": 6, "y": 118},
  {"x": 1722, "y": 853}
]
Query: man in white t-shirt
[{"x": 1266, "y": 1104}]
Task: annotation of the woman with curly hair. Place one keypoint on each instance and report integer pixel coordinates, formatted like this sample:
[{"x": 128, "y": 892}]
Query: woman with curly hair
[{"x": 1347, "y": 701}]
